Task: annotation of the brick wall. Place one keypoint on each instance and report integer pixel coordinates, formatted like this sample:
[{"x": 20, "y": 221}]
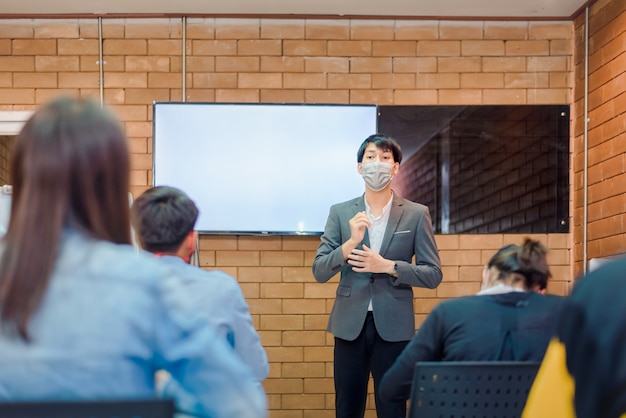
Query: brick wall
[
  {"x": 606, "y": 132},
  {"x": 298, "y": 61}
]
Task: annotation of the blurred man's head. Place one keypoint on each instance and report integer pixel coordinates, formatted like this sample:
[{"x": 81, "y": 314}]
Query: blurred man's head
[{"x": 164, "y": 219}]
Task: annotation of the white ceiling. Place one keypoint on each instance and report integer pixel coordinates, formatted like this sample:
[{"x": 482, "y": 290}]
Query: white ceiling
[{"x": 515, "y": 9}]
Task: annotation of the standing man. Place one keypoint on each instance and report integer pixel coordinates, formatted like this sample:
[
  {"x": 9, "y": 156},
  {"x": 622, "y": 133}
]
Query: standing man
[
  {"x": 371, "y": 240},
  {"x": 164, "y": 219}
]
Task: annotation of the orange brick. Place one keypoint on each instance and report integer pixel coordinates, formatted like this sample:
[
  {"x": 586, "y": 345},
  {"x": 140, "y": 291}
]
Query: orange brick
[
  {"x": 200, "y": 28},
  {"x": 236, "y": 64},
  {"x": 447, "y": 242},
  {"x": 147, "y": 64},
  {"x": 504, "y": 96},
  {"x": 370, "y": 65},
  {"x": 266, "y": 80},
  {"x": 158, "y": 80},
  {"x": 259, "y": 47},
  {"x": 165, "y": 47},
  {"x": 326, "y": 65},
  {"x": 459, "y": 65},
  {"x": 78, "y": 79},
  {"x": 380, "y": 97},
  {"x": 506, "y": 30},
  {"x": 550, "y": 31},
  {"x": 561, "y": 47},
  {"x": 525, "y": 48},
  {"x": 146, "y": 96},
  {"x": 457, "y": 289},
  {"x": 526, "y": 80},
  {"x": 45, "y": 95},
  {"x": 134, "y": 113},
  {"x": 416, "y": 30},
  {"x": 282, "y": 96},
  {"x": 459, "y": 97},
  {"x": 438, "y": 81},
  {"x": 393, "y": 81},
  {"x": 350, "y": 48},
  {"x": 115, "y": 79},
  {"x": 141, "y": 129},
  {"x": 304, "y": 47},
  {"x": 6, "y": 79},
  {"x": 326, "y": 29},
  {"x": 282, "y": 29},
  {"x": 53, "y": 63},
  {"x": 37, "y": 80},
  {"x": 504, "y": 64},
  {"x": 213, "y": 47},
  {"x": 439, "y": 48},
  {"x": 110, "y": 63},
  {"x": 34, "y": 47},
  {"x": 415, "y": 65},
  {"x": 549, "y": 96},
  {"x": 337, "y": 96},
  {"x": 415, "y": 97},
  {"x": 461, "y": 30},
  {"x": 350, "y": 81},
  {"x": 547, "y": 63},
  {"x": 125, "y": 47},
  {"x": 480, "y": 80},
  {"x": 58, "y": 29},
  {"x": 14, "y": 29},
  {"x": 237, "y": 28},
  {"x": 371, "y": 30},
  {"x": 16, "y": 64},
  {"x": 306, "y": 306},
  {"x": 283, "y": 385},
  {"x": 15, "y": 96},
  {"x": 237, "y": 95},
  {"x": 282, "y": 64},
  {"x": 202, "y": 64},
  {"x": 482, "y": 48},
  {"x": 151, "y": 28},
  {"x": 305, "y": 81},
  {"x": 394, "y": 48}
]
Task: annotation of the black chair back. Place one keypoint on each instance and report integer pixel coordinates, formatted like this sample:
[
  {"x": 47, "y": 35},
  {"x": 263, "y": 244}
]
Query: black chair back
[
  {"x": 136, "y": 408},
  {"x": 471, "y": 389}
]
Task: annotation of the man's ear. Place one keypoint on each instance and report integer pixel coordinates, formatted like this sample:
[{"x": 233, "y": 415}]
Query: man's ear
[
  {"x": 359, "y": 168},
  {"x": 191, "y": 241}
]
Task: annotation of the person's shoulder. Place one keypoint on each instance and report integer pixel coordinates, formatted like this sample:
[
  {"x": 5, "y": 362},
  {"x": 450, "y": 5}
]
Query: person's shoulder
[{"x": 349, "y": 202}]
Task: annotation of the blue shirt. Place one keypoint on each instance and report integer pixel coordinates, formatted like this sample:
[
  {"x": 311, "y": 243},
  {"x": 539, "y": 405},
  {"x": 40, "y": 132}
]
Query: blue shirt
[
  {"x": 218, "y": 297},
  {"x": 109, "y": 319}
]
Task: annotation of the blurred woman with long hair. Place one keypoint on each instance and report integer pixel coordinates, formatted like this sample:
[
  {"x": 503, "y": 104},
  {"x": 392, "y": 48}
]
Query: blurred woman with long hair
[{"x": 83, "y": 315}]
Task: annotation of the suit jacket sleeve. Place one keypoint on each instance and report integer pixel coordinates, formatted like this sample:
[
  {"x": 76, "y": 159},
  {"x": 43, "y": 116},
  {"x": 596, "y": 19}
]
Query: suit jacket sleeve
[
  {"x": 426, "y": 271},
  {"x": 329, "y": 258}
]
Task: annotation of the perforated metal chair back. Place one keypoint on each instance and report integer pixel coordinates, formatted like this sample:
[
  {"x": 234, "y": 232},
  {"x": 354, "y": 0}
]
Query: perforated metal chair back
[
  {"x": 139, "y": 408},
  {"x": 471, "y": 389}
]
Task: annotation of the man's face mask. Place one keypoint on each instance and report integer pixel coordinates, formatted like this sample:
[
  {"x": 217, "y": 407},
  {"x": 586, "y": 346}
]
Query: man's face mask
[{"x": 377, "y": 175}]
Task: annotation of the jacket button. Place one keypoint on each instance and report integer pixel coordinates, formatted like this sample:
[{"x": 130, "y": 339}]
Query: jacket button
[{"x": 371, "y": 279}]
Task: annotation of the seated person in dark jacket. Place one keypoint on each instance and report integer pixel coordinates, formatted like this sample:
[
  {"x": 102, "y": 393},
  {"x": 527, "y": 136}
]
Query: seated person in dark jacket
[{"x": 508, "y": 320}]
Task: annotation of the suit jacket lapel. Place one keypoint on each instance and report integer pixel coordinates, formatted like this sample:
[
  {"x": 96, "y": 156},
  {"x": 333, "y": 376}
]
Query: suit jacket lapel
[
  {"x": 360, "y": 207},
  {"x": 392, "y": 224}
]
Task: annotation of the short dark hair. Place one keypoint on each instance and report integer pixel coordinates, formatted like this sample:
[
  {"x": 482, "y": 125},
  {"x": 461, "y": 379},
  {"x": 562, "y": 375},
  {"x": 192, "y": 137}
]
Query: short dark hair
[
  {"x": 384, "y": 142},
  {"x": 162, "y": 217}
]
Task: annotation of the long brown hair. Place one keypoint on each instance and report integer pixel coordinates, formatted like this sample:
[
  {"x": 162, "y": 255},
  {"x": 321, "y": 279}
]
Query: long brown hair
[{"x": 69, "y": 168}]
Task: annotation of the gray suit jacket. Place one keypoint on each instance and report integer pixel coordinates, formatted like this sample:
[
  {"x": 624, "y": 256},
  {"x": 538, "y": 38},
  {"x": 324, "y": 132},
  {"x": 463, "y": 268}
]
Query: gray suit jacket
[{"x": 409, "y": 233}]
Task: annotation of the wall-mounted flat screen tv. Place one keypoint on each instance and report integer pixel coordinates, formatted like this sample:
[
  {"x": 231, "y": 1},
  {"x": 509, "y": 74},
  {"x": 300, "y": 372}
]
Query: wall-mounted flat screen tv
[{"x": 261, "y": 168}]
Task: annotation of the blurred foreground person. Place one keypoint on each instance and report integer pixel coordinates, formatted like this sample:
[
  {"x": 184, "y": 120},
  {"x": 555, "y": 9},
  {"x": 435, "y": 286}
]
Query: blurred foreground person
[
  {"x": 583, "y": 374},
  {"x": 83, "y": 315},
  {"x": 508, "y": 320}
]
